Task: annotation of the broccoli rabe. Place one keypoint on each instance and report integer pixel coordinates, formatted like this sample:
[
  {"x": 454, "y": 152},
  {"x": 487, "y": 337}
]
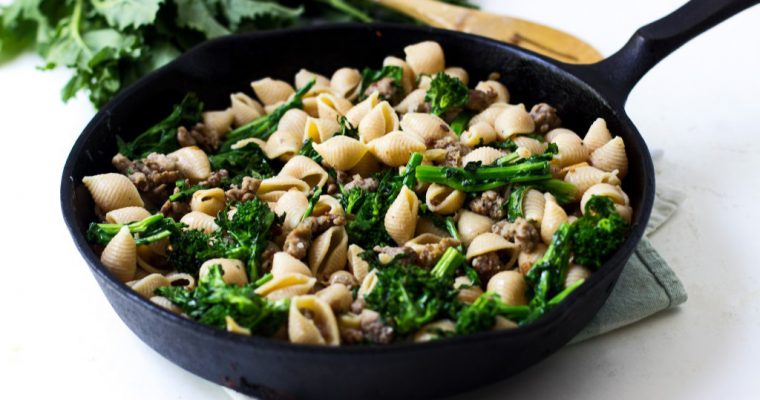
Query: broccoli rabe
[
  {"x": 149, "y": 230},
  {"x": 370, "y": 76},
  {"x": 308, "y": 150},
  {"x": 481, "y": 314},
  {"x": 446, "y": 93},
  {"x": 248, "y": 160},
  {"x": 213, "y": 300},
  {"x": 162, "y": 137},
  {"x": 598, "y": 233}
]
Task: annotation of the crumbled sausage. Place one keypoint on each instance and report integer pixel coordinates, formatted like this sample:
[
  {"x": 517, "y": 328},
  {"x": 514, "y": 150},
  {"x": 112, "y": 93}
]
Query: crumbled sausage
[
  {"x": 299, "y": 239},
  {"x": 545, "y": 117},
  {"x": 199, "y": 135},
  {"x": 267, "y": 256},
  {"x": 386, "y": 88},
  {"x": 154, "y": 175},
  {"x": 175, "y": 209},
  {"x": 488, "y": 203},
  {"x": 345, "y": 278},
  {"x": 374, "y": 329},
  {"x": 215, "y": 179},
  {"x": 487, "y": 265},
  {"x": 428, "y": 254},
  {"x": 366, "y": 184},
  {"x": 403, "y": 253},
  {"x": 246, "y": 191},
  {"x": 480, "y": 100},
  {"x": 523, "y": 233},
  {"x": 351, "y": 335},
  {"x": 455, "y": 150}
]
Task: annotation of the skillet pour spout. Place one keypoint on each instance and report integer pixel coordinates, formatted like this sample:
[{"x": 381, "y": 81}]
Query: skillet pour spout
[{"x": 271, "y": 369}]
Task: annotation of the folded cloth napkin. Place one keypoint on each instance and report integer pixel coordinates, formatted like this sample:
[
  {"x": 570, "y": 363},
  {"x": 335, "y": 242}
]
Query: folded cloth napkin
[{"x": 646, "y": 286}]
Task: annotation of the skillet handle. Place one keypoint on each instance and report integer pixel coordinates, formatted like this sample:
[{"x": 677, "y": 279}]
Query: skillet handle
[{"x": 617, "y": 75}]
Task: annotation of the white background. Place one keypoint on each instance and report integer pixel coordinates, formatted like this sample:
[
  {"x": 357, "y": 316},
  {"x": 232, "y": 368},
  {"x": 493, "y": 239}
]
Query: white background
[{"x": 59, "y": 337}]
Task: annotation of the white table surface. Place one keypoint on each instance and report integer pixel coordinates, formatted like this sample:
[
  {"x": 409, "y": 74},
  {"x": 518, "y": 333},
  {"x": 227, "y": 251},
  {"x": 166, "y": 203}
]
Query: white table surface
[{"x": 59, "y": 336}]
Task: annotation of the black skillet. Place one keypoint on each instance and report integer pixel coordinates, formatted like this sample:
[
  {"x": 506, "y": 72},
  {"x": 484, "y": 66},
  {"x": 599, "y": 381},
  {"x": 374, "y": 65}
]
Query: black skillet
[{"x": 276, "y": 370}]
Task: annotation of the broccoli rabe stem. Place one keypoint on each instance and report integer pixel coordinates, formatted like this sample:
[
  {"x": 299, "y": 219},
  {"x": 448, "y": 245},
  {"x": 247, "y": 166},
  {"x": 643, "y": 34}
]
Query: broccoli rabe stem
[
  {"x": 448, "y": 263},
  {"x": 561, "y": 295},
  {"x": 564, "y": 192},
  {"x": 451, "y": 227},
  {"x": 155, "y": 228},
  {"x": 264, "y": 279},
  {"x": 312, "y": 202},
  {"x": 263, "y": 127},
  {"x": 484, "y": 178},
  {"x": 409, "y": 179}
]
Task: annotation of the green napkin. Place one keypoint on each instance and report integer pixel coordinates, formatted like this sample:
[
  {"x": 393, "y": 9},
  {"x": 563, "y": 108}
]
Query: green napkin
[{"x": 647, "y": 285}]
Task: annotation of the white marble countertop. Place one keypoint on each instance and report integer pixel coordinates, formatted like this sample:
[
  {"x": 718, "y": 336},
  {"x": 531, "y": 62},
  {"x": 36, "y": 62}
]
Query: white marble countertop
[{"x": 59, "y": 336}]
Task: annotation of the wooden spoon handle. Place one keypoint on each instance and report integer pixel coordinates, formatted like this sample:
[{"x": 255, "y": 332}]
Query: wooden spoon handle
[{"x": 535, "y": 37}]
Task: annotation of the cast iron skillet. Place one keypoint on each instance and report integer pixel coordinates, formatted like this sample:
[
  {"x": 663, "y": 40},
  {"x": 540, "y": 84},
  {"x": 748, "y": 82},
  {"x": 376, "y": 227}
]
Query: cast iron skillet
[{"x": 275, "y": 370}]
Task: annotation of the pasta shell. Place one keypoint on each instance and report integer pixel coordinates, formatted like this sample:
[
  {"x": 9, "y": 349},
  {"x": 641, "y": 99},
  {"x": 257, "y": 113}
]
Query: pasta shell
[
  {"x": 146, "y": 286},
  {"x": 534, "y": 146},
  {"x": 165, "y": 303},
  {"x": 272, "y": 107},
  {"x": 196, "y": 220},
  {"x": 554, "y": 216},
  {"x": 293, "y": 122},
  {"x": 426, "y": 225},
  {"x": 233, "y": 271},
  {"x": 513, "y": 121},
  {"x": 244, "y": 109},
  {"x": 549, "y": 137},
  {"x": 233, "y": 327},
  {"x": 401, "y": 217},
  {"x": 584, "y": 177},
  {"x": 181, "y": 279},
  {"x": 571, "y": 149},
  {"x": 611, "y": 157},
  {"x": 424, "y": 82},
  {"x": 467, "y": 291},
  {"x": 305, "y": 169},
  {"x": 425, "y": 58},
  {"x": 379, "y": 121},
  {"x": 502, "y": 93},
  {"x": 359, "y": 111},
  {"x": 192, "y": 162},
  {"x": 478, "y": 134},
  {"x": 598, "y": 135},
  {"x": 615, "y": 193},
  {"x": 286, "y": 286},
  {"x": 292, "y": 204},
  {"x": 304, "y": 76},
  {"x": 208, "y": 201},
  {"x": 357, "y": 265},
  {"x": 337, "y": 296},
  {"x": 412, "y": 102},
  {"x": 245, "y": 142},
  {"x": 510, "y": 286},
  {"x": 310, "y": 106},
  {"x": 331, "y": 107},
  {"x": 218, "y": 121},
  {"x": 444, "y": 200},
  {"x": 345, "y": 82},
  {"x": 434, "y": 330},
  {"x": 319, "y": 130},
  {"x": 575, "y": 273},
  {"x": 485, "y": 155},
  {"x": 120, "y": 255},
  {"x": 341, "y": 152},
  {"x": 488, "y": 242},
  {"x": 525, "y": 259},
  {"x": 320, "y": 328},
  {"x": 368, "y": 284},
  {"x": 490, "y": 114},
  {"x": 533, "y": 205},
  {"x": 327, "y": 205},
  {"x": 459, "y": 73},
  {"x": 427, "y": 127},
  {"x": 282, "y": 145},
  {"x": 407, "y": 75},
  {"x": 471, "y": 224},
  {"x": 126, "y": 215},
  {"x": 271, "y": 91},
  {"x": 271, "y": 189},
  {"x": 284, "y": 264},
  {"x": 328, "y": 252},
  {"x": 366, "y": 166},
  {"x": 112, "y": 191},
  {"x": 395, "y": 148},
  {"x": 502, "y": 323}
]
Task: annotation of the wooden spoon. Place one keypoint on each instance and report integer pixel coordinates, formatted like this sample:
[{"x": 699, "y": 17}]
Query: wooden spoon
[{"x": 532, "y": 36}]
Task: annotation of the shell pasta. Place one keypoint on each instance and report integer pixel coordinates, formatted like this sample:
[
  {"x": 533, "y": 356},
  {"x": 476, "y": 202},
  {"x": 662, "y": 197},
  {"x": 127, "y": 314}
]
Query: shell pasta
[{"x": 370, "y": 206}]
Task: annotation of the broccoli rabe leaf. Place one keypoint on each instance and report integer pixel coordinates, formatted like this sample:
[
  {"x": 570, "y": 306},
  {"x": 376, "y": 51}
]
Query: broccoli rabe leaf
[
  {"x": 446, "y": 93},
  {"x": 213, "y": 300},
  {"x": 146, "y": 231},
  {"x": 248, "y": 160},
  {"x": 190, "y": 248},
  {"x": 515, "y": 203},
  {"x": 162, "y": 137},
  {"x": 308, "y": 150},
  {"x": 481, "y": 314}
]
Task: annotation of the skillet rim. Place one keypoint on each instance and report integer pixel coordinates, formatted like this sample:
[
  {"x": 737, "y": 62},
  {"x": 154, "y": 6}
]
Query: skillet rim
[{"x": 573, "y": 72}]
